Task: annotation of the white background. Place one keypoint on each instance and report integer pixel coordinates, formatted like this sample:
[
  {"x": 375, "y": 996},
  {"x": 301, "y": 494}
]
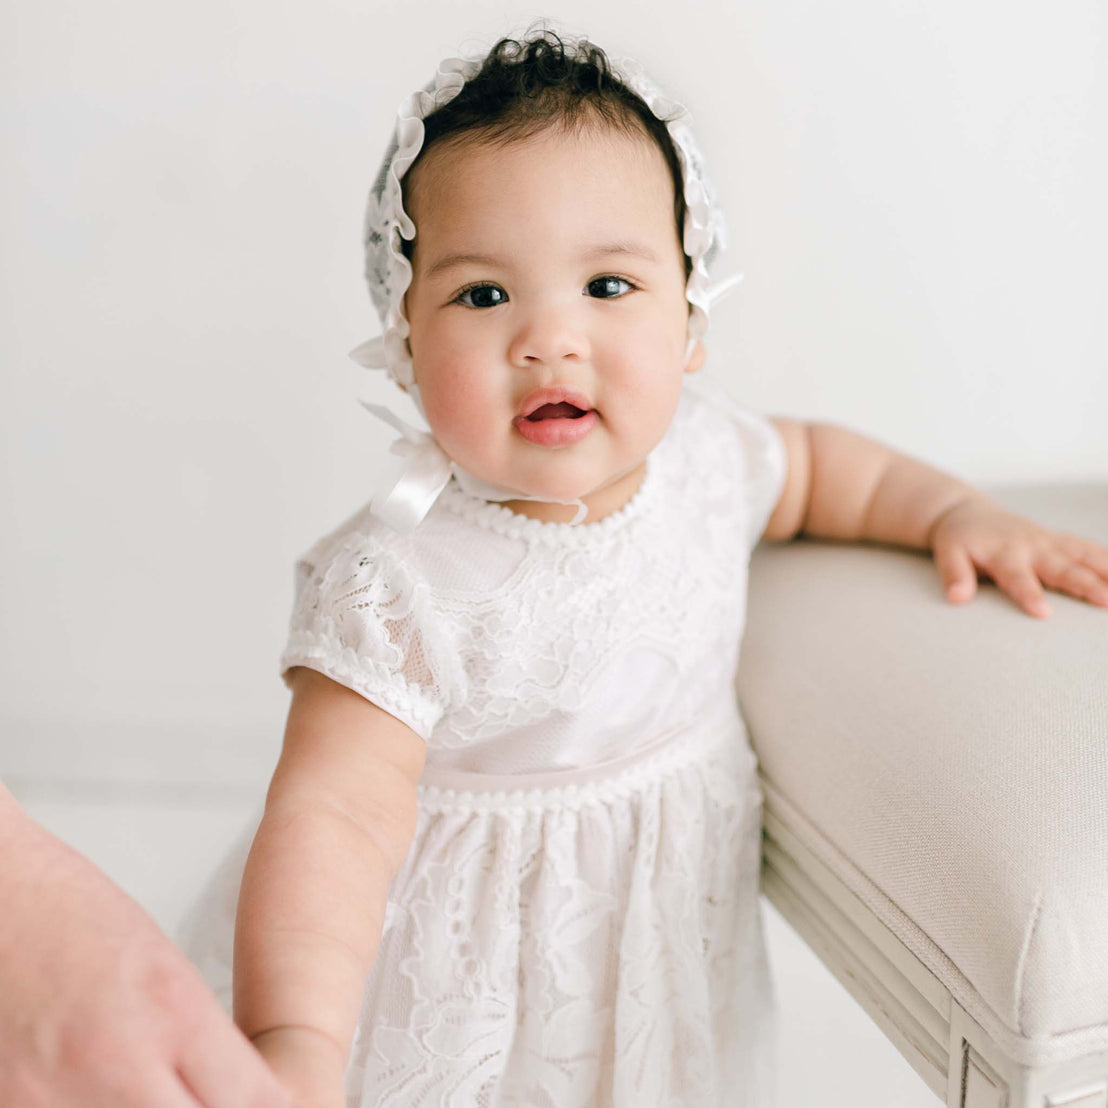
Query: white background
[{"x": 915, "y": 195}]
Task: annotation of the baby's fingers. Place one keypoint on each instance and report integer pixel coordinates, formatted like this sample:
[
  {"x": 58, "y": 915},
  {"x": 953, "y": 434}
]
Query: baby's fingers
[
  {"x": 1077, "y": 580},
  {"x": 956, "y": 572},
  {"x": 1018, "y": 580},
  {"x": 1094, "y": 557}
]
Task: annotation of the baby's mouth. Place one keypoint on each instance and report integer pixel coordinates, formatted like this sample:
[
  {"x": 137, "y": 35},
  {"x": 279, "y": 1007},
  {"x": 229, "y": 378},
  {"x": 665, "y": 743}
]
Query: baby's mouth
[
  {"x": 563, "y": 410},
  {"x": 557, "y": 423}
]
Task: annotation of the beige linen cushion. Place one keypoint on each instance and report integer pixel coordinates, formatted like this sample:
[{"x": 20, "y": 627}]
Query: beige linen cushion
[{"x": 950, "y": 763}]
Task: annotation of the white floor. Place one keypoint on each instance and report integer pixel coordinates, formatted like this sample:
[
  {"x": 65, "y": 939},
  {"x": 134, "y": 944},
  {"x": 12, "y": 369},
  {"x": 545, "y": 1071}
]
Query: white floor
[{"x": 159, "y": 841}]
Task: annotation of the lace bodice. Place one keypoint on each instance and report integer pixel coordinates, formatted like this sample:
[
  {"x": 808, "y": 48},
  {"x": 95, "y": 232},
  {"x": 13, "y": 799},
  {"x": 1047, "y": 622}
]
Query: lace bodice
[
  {"x": 513, "y": 645},
  {"x": 576, "y": 921}
]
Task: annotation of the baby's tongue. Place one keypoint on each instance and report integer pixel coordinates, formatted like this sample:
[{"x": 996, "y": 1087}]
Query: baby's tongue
[{"x": 556, "y": 411}]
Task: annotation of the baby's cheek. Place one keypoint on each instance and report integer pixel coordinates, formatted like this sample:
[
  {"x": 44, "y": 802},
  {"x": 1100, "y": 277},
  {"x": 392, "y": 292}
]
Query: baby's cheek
[
  {"x": 655, "y": 409},
  {"x": 464, "y": 416},
  {"x": 649, "y": 382}
]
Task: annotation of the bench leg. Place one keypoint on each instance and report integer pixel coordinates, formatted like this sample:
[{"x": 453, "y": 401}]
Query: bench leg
[{"x": 979, "y": 1076}]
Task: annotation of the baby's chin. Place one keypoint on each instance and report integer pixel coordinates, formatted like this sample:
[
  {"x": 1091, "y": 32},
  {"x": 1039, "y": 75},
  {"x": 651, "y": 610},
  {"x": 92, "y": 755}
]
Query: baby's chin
[
  {"x": 559, "y": 493},
  {"x": 605, "y": 494},
  {"x": 549, "y": 477}
]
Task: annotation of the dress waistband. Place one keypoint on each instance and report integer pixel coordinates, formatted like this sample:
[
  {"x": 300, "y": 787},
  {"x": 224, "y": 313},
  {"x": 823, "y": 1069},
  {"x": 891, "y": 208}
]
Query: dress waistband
[{"x": 446, "y": 788}]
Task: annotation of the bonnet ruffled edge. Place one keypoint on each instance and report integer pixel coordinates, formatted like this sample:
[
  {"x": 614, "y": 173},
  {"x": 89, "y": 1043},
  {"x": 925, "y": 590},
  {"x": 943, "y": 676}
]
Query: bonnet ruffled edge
[{"x": 389, "y": 273}]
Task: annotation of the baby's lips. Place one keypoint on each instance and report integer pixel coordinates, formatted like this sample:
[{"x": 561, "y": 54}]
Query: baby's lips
[
  {"x": 557, "y": 432},
  {"x": 554, "y": 395},
  {"x": 556, "y": 411}
]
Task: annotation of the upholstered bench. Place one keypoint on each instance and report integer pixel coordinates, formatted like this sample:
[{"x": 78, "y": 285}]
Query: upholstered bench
[{"x": 936, "y": 805}]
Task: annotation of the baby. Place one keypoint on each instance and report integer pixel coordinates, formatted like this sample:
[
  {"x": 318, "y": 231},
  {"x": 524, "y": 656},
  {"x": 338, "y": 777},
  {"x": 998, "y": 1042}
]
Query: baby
[{"x": 510, "y": 853}]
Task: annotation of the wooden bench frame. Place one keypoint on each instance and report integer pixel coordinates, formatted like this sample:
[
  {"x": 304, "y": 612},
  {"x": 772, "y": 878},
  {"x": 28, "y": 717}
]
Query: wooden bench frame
[{"x": 953, "y": 1054}]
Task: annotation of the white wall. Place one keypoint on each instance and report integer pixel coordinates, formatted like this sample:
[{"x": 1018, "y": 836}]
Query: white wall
[{"x": 915, "y": 193}]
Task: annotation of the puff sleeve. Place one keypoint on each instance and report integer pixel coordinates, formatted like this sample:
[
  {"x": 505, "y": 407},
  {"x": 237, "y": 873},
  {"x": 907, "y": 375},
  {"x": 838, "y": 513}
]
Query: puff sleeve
[
  {"x": 757, "y": 460},
  {"x": 363, "y": 618}
]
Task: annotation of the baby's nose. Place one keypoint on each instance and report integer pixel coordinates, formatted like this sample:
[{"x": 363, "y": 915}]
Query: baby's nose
[{"x": 546, "y": 337}]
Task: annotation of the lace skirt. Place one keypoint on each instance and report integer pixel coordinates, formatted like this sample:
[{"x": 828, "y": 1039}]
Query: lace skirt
[{"x": 597, "y": 942}]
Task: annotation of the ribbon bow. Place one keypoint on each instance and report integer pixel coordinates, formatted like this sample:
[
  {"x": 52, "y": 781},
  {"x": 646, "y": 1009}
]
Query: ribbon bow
[{"x": 405, "y": 500}]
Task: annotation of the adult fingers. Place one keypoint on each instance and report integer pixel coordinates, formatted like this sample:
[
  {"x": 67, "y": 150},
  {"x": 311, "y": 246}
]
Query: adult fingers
[
  {"x": 957, "y": 573},
  {"x": 164, "y": 1090},
  {"x": 224, "y": 1070},
  {"x": 161, "y": 1088}
]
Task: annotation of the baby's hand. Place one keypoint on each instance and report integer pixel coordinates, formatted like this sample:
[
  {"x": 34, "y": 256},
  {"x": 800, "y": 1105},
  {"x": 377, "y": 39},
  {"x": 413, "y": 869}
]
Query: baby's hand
[{"x": 977, "y": 534}]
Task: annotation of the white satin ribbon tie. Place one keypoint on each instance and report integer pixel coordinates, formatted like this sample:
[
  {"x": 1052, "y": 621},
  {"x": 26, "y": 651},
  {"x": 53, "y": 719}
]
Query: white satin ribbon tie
[{"x": 404, "y": 502}]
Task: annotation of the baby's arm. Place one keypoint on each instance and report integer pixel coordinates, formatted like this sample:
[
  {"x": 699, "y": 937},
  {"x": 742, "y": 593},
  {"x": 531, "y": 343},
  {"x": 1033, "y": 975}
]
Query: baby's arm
[
  {"x": 339, "y": 818},
  {"x": 841, "y": 485}
]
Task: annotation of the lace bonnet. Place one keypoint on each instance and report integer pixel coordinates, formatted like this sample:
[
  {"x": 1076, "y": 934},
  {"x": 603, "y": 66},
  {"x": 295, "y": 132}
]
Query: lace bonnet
[{"x": 405, "y": 501}]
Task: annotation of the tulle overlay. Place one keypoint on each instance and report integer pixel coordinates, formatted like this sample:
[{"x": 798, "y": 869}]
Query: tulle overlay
[{"x": 592, "y": 942}]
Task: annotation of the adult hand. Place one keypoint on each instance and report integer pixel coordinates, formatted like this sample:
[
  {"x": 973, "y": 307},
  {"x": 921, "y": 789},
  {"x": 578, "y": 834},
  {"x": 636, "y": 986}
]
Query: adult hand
[
  {"x": 308, "y": 1062},
  {"x": 98, "y": 1009}
]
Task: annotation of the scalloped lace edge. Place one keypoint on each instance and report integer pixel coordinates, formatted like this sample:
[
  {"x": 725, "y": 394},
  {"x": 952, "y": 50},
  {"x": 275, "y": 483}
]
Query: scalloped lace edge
[{"x": 344, "y": 665}]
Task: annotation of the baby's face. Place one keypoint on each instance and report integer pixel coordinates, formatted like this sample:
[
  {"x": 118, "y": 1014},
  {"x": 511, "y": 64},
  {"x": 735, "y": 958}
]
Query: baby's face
[{"x": 548, "y": 263}]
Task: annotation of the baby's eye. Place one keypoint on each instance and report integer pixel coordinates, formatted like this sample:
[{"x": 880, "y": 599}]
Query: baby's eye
[
  {"x": 482, "y": 296},
  {"x": 608, "y": 288}
]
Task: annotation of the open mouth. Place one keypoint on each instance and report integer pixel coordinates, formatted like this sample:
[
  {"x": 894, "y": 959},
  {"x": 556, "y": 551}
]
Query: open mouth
[
  {"x": 563, "y": 410},
  {"x": 557, "y": 425}
]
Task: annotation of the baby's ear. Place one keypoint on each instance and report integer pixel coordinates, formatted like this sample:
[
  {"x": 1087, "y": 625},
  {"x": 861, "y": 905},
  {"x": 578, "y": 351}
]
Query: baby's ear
[{"x": 697, "y": 356}]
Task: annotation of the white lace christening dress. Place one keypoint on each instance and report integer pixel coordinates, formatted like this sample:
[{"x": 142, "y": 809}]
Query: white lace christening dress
[{"x": 577, "y": 920}]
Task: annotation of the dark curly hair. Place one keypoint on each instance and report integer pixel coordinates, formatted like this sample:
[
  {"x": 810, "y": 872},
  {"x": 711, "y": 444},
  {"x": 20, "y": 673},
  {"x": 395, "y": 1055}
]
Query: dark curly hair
[{"x": 524, "y": 87}]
